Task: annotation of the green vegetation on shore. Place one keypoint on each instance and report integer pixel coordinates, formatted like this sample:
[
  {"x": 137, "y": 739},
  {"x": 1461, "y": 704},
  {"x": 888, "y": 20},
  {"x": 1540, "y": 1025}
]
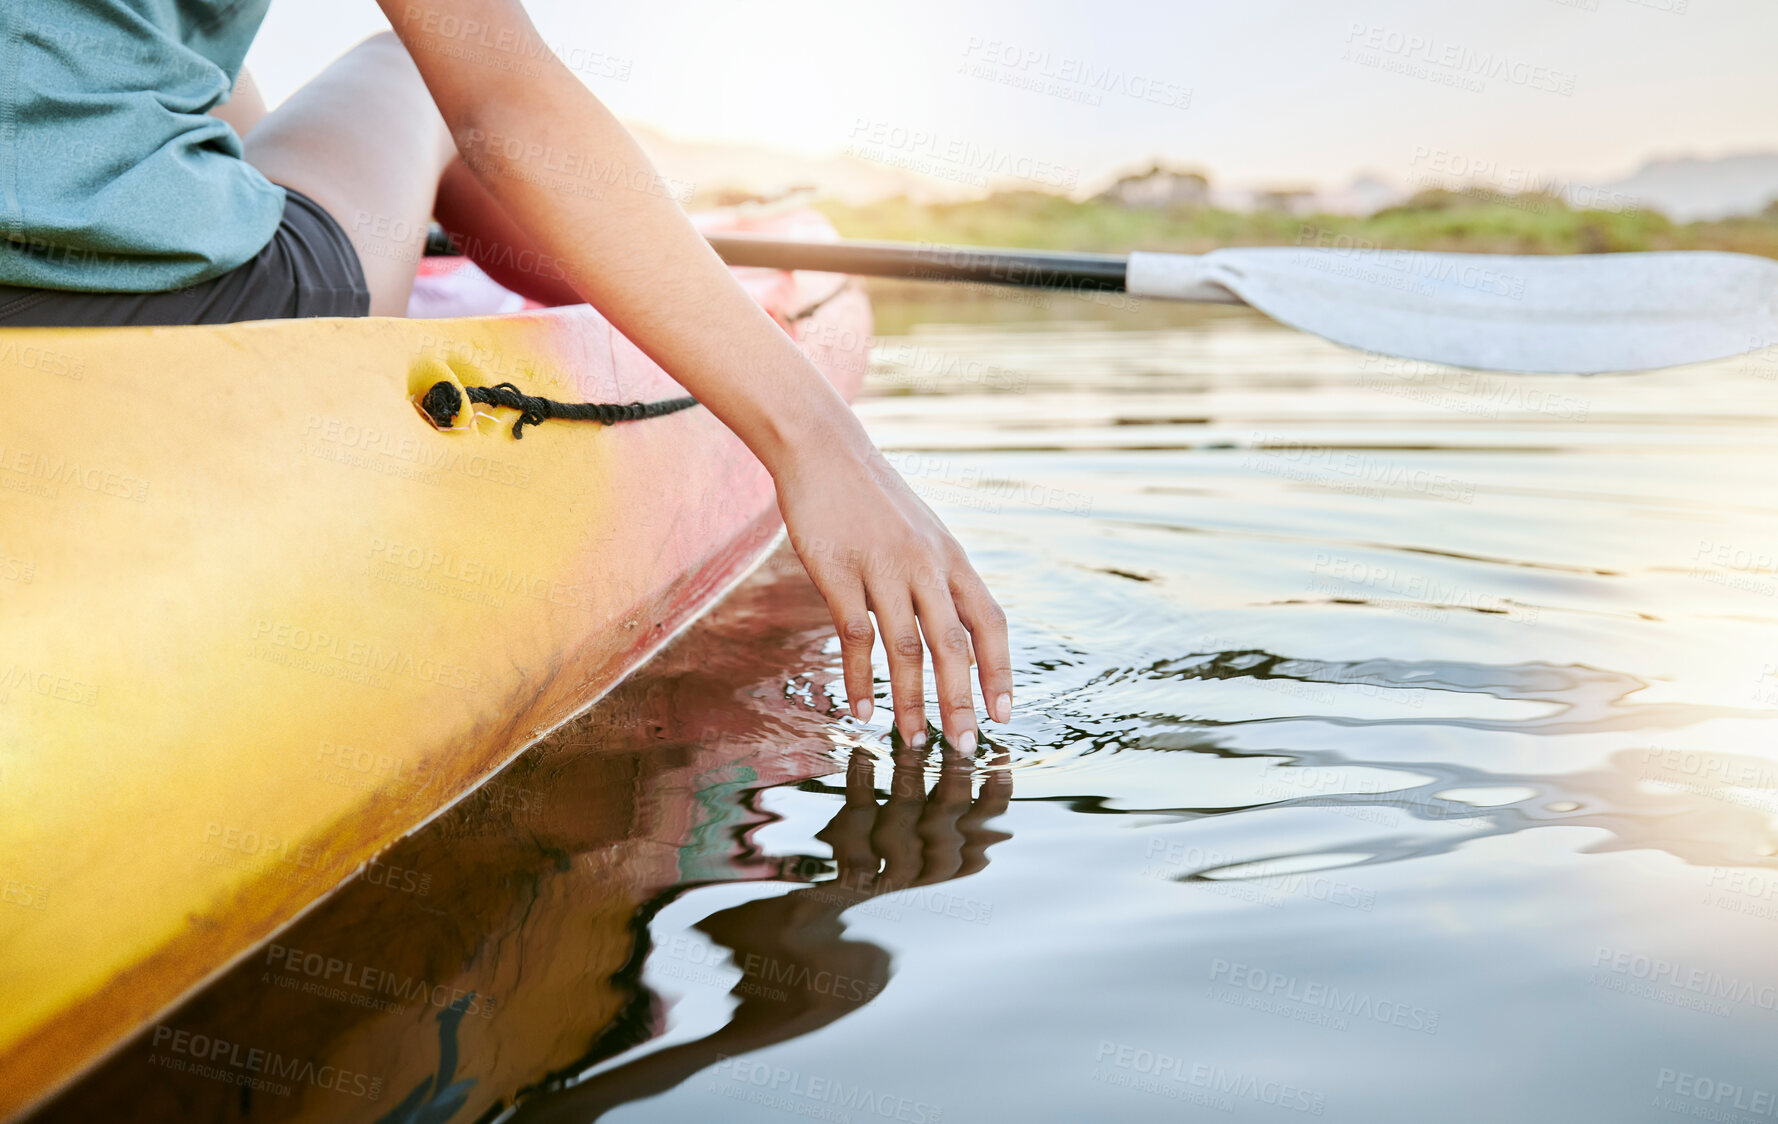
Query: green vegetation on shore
[{"x": 1432, "y": 220}]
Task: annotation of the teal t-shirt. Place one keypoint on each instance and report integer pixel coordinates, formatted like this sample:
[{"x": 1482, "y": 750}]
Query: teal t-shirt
[{"x": 113, "y": 178}]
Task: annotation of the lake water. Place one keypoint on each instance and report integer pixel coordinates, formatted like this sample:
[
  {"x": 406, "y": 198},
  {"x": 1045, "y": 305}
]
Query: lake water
[{"x": 1391, "y": 744}]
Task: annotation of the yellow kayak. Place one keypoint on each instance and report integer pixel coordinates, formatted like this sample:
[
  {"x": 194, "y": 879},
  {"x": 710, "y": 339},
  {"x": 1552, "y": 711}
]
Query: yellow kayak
[
  {"x": 500, "y": 947},
  {"x": 260, "y": 618}
]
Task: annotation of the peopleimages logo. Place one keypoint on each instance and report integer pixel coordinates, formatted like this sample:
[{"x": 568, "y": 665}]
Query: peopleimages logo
[
  {"x": 1313, "y": 993},
  {"x": 26, "y": 895},
  {"x": 1363, "y": 259},
  {"x": 49, "y": 684},
  {"x": 46, "y": 474},
  {"x": 376, "y": 987},
  {"x": 1351, "y": 471},
  {"x": 234, "y": 1063},
  {"x": 1454, "y": 64},
  {"x": 365, "y": 655},
  {"x": 248, "y": 845},
  {"x": 820, "y": 1098},
  {"x": 1164, "y": 1074},
  {"x": 401, "y": 454},
  {"x": 1762, "y": 885},
  {"x": 1658, "y": 972},
  {"x": 933, "y": 153},
  {"x": 1068, "y": 77},
  {"x": 1721, "y": 1096}
]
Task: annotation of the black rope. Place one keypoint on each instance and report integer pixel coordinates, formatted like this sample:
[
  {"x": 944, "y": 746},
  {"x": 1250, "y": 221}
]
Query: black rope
[
  {"x": 443, "y": 401},
  {"x": 811, "y": 310}
]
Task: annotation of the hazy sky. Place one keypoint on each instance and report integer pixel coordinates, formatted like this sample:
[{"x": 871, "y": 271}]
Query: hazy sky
[{"x": 1273, "y": 90}]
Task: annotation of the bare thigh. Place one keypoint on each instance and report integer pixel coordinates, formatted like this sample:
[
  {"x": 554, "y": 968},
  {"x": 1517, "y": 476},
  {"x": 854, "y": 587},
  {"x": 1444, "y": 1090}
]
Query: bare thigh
[{"x": 365, "y": 142}]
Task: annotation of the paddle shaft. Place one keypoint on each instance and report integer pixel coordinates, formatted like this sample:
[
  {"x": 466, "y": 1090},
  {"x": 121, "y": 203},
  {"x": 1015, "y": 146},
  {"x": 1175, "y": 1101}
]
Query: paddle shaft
[
  {"x": 987, "y": 265},
  {"x": 1028, "y": 269}
]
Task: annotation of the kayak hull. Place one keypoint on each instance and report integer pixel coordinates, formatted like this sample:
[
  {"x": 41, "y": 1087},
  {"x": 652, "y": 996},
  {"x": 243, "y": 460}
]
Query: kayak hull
[{"x": 263, "y": 619}]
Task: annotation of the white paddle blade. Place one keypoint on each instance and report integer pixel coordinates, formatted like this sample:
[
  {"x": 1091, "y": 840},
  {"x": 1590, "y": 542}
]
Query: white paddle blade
[{"x": 1581, "y": 314}]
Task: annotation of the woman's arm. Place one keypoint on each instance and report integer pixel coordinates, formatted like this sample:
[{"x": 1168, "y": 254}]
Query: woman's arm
[{"x": 519, "y": 119}]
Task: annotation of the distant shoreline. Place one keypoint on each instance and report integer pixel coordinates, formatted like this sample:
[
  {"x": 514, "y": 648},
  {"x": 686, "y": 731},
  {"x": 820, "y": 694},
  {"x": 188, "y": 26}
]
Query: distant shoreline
[{"x": 1433, "y": 220}]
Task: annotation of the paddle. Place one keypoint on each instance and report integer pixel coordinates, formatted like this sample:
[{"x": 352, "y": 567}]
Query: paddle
[{"x": 1579, "y": 314}]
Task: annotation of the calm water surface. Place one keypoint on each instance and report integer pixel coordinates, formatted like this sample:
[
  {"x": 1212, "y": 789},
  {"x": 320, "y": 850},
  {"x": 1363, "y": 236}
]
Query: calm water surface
[{"x": 1391, "y": 744}]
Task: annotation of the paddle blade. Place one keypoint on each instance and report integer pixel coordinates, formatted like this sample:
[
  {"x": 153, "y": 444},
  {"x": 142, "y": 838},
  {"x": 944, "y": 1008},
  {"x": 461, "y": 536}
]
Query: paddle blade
[{"x": 1580, "y": 314}]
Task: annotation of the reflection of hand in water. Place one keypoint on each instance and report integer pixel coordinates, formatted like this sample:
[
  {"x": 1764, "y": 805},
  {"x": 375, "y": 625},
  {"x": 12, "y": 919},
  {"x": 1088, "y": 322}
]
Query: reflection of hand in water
[
  {"x": 916, "y": 838},
  {"x": 799, "y": 972}
]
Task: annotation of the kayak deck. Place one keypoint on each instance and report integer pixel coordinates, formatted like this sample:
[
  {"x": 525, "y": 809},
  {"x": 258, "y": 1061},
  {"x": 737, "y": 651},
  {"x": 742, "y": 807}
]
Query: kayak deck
[{"x": 262, "y": 619}]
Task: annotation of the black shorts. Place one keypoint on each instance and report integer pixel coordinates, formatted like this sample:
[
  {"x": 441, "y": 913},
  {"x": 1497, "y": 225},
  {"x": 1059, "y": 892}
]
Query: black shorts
[{"x": 309, "y": 268}]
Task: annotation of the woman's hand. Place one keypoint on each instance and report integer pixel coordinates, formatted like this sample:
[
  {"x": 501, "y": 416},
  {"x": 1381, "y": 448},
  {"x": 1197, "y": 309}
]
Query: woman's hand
[
  {"x": 866, "y": 539},
  {"x": 873, "y": 547}
]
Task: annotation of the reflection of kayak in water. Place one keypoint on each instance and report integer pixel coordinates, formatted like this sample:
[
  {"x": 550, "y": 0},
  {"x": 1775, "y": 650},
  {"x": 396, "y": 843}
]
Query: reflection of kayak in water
[
  {"x": 523, "y": 904},
  {"x": 275, "y": 620}
]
